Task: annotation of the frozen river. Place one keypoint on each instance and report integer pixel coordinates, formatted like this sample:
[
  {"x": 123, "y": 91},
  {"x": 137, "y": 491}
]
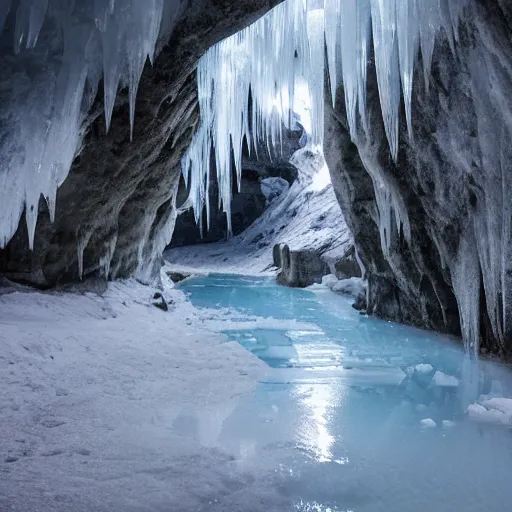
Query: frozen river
[{"x": 357, "y": 414}]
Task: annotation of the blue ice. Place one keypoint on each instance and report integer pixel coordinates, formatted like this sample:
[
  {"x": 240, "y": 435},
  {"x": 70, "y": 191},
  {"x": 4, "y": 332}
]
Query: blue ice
[{"x": 359, "y": 414}]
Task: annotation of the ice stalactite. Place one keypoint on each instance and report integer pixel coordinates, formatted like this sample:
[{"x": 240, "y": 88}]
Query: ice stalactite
[
  {"x": 54, "y": 54},
  {"x": 262, "y": 63},
  {"x": 466, "y": 275},
  {"x": 288, "y": 45}
]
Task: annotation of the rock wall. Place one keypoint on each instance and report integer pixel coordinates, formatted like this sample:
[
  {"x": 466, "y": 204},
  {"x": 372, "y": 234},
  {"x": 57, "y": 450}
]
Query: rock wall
[
  {"x": 116, "y": 209},
  {"x": 434, "y": 229}
]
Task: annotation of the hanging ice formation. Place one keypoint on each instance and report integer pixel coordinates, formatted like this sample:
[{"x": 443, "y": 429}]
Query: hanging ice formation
[
  {"x": 286, "y": 46},
  {"x": 61, "y": 50},
  {"x": 265, "y": 61}
]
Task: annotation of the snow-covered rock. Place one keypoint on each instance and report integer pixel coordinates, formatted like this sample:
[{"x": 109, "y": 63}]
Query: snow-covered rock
[
  {"x": 479, "y": 413},
  {"x": 353, "y": 286},
  {"x": 424, "y": 368},
  {"x": 329, "y": 280},
  {"x": 446, "y": 381},
  {"x": 493, "y": 410},
  {"x": 273, "y": 187}
]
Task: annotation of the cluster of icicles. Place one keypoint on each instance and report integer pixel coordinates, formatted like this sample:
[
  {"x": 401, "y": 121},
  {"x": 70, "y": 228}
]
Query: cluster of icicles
[
  {"x": 62, "y": 49},
  {"x": 55, "y": 53},
  {"x": 247, "y": 82}
]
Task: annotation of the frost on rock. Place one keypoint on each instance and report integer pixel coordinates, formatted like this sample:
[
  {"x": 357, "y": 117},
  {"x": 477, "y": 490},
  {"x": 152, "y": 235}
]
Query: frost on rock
[
  {"x": 54, "y": 54},
  {"x": 249, "y": 83}
]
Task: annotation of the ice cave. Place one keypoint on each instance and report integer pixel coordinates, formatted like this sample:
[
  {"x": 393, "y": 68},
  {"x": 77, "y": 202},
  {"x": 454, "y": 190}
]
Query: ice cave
[{"x": 255, "y": 255}]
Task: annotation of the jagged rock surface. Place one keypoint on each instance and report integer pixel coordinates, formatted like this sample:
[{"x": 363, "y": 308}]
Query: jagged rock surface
[
  {"x": 453, "y": 181},
  {"x": 119, "y": 196}
]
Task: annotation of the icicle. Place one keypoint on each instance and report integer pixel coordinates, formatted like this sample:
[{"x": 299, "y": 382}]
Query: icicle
[
  {"x": 386, "y": 64},
  {"x": 112, "y": 65},
  {"x": 332, "y": 25},
  {"x": 466, "y": 284},
  {"x": 106, "y": 259},
  {"x": 315, "y": 27},
  {"x": 428, "y": 13},
  {"x": 349, "y": 53},
  {"x": 363, "y": 44},
  {"x": 407, "y": 21},
  {"x": 80, "y": 248}
]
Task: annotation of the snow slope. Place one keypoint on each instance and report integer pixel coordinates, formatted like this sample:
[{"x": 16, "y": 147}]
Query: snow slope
[{"x": 110, "y": 404}]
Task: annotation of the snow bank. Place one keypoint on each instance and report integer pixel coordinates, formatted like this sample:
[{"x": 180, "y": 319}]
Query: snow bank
[
  {"x": 329, "y": 281},
  {"x": 103, "y": 388}
]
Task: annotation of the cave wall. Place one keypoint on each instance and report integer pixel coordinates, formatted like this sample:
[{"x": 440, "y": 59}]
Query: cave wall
[
  {"x": 117, "y": 205},
  {"x": 447, "y": 266}
]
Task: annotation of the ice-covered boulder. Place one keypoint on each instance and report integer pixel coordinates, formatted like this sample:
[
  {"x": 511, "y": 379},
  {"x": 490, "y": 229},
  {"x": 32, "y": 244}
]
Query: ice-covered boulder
[
  {"x": 353, "y": 286},
  {"x": 424, "y": 368},
  {"x": 496, "y": 410},
  {"x": 274, "y": 187},
  {"x": 446, "y": 381}
]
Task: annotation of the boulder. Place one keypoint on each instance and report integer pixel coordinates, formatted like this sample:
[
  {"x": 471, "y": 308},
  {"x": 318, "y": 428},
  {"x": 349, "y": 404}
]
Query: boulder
[{"x": 299, "y": 268}]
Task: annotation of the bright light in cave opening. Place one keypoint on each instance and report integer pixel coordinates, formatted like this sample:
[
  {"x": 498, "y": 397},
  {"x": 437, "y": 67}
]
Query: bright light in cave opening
[{"x": 302, "y": 104}]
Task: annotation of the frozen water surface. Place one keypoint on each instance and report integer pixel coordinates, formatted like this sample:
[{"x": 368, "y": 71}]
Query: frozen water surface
[{"x": 347, "y": 417}]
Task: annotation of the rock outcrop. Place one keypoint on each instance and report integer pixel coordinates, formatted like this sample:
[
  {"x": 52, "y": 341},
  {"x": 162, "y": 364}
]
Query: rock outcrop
[
  {"x": 116, "y": 209},
  {"x": 446, "y": 264},
  {"x": 299, "y": 268}
]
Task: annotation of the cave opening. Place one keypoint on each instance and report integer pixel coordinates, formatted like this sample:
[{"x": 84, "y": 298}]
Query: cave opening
[{"x": 240, "y": 243}]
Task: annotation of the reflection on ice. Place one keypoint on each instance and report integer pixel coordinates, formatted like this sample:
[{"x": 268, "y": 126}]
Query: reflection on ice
[
  {"x": 357, "y": 414},
  {"x": 317, "y": 401}
]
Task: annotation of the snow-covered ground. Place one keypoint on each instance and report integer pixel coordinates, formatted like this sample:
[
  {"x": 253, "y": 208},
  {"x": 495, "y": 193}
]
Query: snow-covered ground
[
  {"x": 99, "y": 395},
  {"x": 306, "y": 216}
]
